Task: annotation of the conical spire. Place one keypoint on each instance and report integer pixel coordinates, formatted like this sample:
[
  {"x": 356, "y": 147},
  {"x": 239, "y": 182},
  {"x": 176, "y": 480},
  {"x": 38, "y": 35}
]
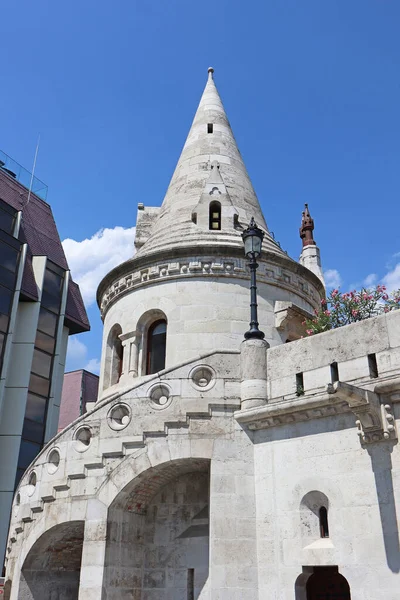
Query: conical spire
[{"x": 210, "y": 165}]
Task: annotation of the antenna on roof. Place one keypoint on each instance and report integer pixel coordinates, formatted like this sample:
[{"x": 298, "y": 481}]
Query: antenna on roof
[{"x": 33, "y": 170}]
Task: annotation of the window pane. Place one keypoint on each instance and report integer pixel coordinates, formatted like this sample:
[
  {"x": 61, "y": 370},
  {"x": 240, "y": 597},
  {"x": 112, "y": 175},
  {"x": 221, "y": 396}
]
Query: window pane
[
  {"x": 52, "y": 283},
  {"x": 38, "y": 385},
  {"x": 5, "y": 300},
  {"x": 33, "y": 431},
  {"x": 3, "y": 321},
  {"x": 51, "y": 302},
  {"x": 160, "y": 328},
  {"x": 35, "y": 408},
  {"x": 27, "y": 453},
  {"x": 6, "y": 221},
  {"x": 8, "y": 256},
  {"x": 45, "y": 342},
  {"x": 7, "y": 277},
  {"x": 47, "y": 322},
  {"x": 2, "y": 344},
  {"x": 41, "y": 363}
]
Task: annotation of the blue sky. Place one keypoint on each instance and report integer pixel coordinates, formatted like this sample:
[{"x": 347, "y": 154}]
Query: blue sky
[{"x": 311, "y": 88}]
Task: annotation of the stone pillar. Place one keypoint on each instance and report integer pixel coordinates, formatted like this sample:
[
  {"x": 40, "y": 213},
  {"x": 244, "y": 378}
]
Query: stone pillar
[
  {"x": 131, "y": 354},
  {"x": 253, "y": 364},
  {"x": 93, "y": 552},
  {"x": 310, "y": 258}
]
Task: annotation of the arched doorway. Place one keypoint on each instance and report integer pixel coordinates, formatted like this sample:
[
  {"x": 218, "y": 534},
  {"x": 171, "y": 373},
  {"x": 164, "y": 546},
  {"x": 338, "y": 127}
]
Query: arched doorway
[
  {"x": 326, "y": 583},
  {"x": 158, "y": 534},
  {"x": 52, "y": 566}
]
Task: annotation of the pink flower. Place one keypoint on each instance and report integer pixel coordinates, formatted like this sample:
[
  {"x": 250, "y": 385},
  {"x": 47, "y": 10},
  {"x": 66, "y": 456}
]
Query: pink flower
[
  {"x": 385, "y": 297},
  {"x": 386, "y": 309},
  {"x": 327, "y": 313},
  {"x": 354, "y": 312},
  {"x": 334, "y": 293},
  {"x": 309, "y": 331},
  {"x": 323, "y": 301}
]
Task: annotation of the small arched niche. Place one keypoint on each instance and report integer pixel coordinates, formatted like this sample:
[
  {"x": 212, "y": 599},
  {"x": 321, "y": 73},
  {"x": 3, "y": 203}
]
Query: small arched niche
[
  {"x": 114, "y": 357},
  {"x": 314, "y": 512}
]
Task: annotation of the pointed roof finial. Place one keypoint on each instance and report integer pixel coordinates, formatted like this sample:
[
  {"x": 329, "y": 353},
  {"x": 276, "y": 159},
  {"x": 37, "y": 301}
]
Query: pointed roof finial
[
  {"x": 210, "y": 73},
  {"x": 307, "y": 228}
]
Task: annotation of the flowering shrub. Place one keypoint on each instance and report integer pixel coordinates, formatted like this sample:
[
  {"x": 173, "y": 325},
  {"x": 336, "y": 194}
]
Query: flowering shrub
[{"x": 341, "y": 309}]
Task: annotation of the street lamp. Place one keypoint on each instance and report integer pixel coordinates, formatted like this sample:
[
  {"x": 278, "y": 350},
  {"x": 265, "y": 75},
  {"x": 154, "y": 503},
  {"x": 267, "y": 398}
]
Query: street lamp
[{"x": 252, "y": 240}]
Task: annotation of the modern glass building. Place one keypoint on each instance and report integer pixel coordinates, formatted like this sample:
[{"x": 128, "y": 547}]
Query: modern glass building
[{"x": 40, "y": 306}]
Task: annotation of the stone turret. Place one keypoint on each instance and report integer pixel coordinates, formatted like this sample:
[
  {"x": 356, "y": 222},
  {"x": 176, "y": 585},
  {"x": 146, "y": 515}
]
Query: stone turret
[
  {"x": 310, "y": 255},
  {"x": 190, "y": 270}
]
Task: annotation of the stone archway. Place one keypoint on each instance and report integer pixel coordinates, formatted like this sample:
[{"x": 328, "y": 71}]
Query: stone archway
[
  {"x": 51, "y": 569},
  {"x": 322, "y": 583},
  {"x": 157, "y": 534}
]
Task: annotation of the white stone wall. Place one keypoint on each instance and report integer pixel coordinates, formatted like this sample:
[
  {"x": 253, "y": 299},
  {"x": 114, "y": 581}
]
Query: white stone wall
[{"x": 202, "y": 314}]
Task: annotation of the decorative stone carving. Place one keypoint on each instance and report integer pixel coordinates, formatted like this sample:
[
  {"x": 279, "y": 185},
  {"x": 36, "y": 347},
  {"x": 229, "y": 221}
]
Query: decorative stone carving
[
  {"x": 119, "y": 416},
  {"x": 375, "y": 420},
  {"x": 82, "y": 437}
]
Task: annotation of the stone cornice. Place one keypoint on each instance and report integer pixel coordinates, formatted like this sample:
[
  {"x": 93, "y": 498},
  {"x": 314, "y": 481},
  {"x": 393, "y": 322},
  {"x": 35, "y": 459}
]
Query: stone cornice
[{"x": 221, "y": 261}]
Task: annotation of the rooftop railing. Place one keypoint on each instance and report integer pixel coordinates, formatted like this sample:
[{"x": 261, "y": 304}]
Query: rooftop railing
[{"x": 23, "y": 176}]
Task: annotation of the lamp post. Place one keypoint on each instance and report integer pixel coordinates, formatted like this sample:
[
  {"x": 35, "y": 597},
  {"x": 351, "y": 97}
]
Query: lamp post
[{"x": 252, "y": 240}]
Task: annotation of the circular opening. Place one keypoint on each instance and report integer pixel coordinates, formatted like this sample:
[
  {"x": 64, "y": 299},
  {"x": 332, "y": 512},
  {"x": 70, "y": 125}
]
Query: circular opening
[
  {"x": 119, "y": 416},
  {"x": 160, "y": 396},
  {"x": 53, "y": 461},
  {"x": 202, "y": 377},
  {"x": 31, "y": 483},
  {"x": 83, "y": 437}
]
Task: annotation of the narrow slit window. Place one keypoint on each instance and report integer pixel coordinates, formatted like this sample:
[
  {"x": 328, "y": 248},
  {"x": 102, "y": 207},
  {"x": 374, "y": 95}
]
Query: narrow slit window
[
  {"x": 334, "y": 372},
  {"x": 373, "y": 366},
  {"x": 299, "y": 384},
  {"x": 215, "y": 216},
  {"x": 190, "y": 584},
  {"x": 210, "y": 127},
  {"x": 323, "y": 522}
]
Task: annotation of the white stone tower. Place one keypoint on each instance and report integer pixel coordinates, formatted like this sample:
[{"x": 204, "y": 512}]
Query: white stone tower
[{"x": 189, "y": 269}]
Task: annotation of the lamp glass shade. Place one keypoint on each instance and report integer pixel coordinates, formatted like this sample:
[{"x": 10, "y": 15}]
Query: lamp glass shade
[{"x": 252, "y": 239}]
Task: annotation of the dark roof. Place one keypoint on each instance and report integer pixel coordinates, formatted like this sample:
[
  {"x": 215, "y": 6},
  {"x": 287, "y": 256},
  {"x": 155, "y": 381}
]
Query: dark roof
[{"x": 39, "y": 231}]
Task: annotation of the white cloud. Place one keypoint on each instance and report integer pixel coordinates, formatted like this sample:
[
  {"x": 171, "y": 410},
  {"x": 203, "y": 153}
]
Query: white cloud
[
  {"x": 76, "y": 351},
  {"x": 77, "y": 356},
  {"x": 91, "y": 259},
  {"x": 332, "y": 278},
  {"x": 392, "y": 279},
  {"x": 93, "y": 366},
  {"x": 370, "y": 279}
]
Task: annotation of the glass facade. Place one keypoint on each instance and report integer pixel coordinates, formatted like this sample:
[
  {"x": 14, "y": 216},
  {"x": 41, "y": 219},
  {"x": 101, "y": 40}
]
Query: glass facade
[
  {"x": 10, "y": 249},
  {"x": 42, "y": 365}
]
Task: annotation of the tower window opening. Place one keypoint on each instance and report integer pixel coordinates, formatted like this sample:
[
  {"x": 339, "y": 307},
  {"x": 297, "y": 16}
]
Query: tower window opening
[
  {"x": 299, "y": 384},
  {"x": 323, "y": 522},
  {"x": 334, "y": 372},
  {"x": 215, "y": 216},
  {"x": 156, "y": 347},
  {"x": 210, "y": 127},
  {"x": 373, "y": 366}
]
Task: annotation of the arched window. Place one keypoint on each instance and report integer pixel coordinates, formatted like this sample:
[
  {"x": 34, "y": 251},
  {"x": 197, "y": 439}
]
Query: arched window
[
  {"x": 215, "y": 216},
  {"x": 156, "y": 346},
  {"x": 114, "y": 357},
  {"x": 323, "y": 522}
]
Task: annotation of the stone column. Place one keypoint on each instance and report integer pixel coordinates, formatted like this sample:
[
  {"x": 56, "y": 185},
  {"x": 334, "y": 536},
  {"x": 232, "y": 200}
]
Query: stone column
[
  {"x": 130, "y": 355},
  {"x": 93, "y": 552},
  {"x": 253, "y": 364}
]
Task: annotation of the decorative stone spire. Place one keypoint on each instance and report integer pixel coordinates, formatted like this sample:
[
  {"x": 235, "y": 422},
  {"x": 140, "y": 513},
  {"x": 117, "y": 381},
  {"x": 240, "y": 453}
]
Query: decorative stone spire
[
  {"x": 307, "y": 228},
  {"x": 310, "y": 255},
  {"x": 210, "y": 153}
]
